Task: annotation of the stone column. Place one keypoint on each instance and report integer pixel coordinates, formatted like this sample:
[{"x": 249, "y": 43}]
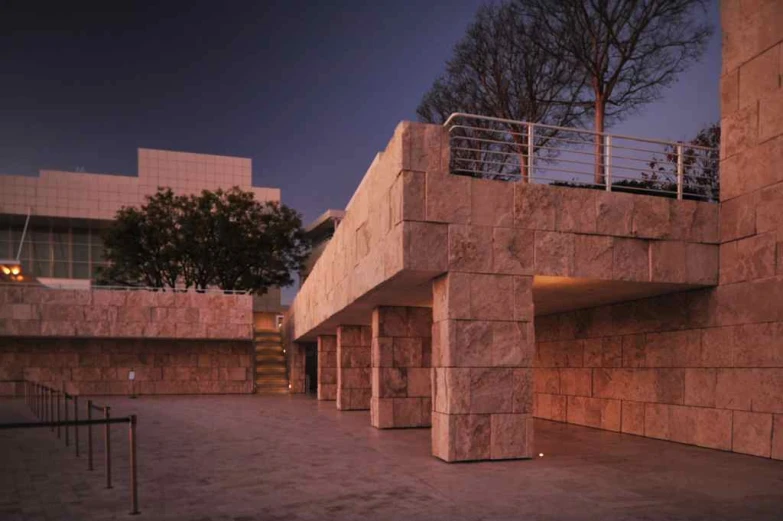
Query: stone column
[
  {"x": 353, "y": 368},
  {"x": 482, "y": 350},
  {"x": 296, "y": 367},
  {"x": 401, "y": 367},
  {"x": 327, "y": 367}
]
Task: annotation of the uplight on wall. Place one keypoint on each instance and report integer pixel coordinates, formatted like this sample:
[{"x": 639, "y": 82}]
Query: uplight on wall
[{"x": 11, "y": 271}]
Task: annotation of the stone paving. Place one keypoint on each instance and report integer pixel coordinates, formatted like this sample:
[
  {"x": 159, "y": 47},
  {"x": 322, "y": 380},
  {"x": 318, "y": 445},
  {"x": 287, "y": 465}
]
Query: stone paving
[{"x": 244, "y": 458}]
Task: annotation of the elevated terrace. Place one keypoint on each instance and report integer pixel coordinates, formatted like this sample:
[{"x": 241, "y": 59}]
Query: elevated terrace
[{"x": 458, "y": 239}]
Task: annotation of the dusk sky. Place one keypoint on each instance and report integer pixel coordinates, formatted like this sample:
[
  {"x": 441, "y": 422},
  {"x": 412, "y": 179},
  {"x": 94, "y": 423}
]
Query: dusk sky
[{"x": 309, "y": 90}]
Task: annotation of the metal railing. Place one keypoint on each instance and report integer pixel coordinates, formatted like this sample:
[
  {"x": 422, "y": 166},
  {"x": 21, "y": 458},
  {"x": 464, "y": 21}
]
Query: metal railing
[
  {"x": 51, "y": 407},
  {"x": 496, "y": 148}
]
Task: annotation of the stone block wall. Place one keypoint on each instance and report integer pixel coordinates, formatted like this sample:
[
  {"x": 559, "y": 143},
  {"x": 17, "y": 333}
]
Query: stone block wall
[
  {"x": 703, "y": 367},
  {"x": 353, "y": 368},
  {"x": 327, "y": 367},
  {"x": 42, "y": 312},
  {"x": 100, "y": 366},
  {"x": 401, "y": 367}
]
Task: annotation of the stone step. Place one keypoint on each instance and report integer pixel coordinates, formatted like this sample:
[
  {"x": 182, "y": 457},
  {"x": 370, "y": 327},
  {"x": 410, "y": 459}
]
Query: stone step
[{"x": 272, "y": 370}]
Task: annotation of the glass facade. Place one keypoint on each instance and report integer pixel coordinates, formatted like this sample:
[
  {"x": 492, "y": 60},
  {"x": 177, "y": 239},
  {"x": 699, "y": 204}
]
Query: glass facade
[{"x": 57, "y": 250}]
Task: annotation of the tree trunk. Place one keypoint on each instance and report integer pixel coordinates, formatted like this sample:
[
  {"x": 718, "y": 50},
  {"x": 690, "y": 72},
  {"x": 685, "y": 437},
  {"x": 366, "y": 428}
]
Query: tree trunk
[{"x": 600, "y": 108}]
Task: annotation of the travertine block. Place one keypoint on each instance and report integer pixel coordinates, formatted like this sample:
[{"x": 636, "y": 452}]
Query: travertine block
[
  {"x": 470, "y": 248},
  {"x": 448, "y": 198},
  {"x": 511, "y": 436},
  {"x": 576, "y": 382},
  {"x": 593, "y": 256},
  {"x": 536, "y": 206},
  {"x": 461, "y": 437},
  {"x": 738, "y": 217},
  {"x": 594, "y": 412},
  {"x": 630, "y": 260},
  {"x": 554, "y": 253},
  {"x": 492, "y": 203},
  {"x": 700, "y": 387},
  {"x": 770, "y": 113},
  {"x": 577, "y": 211},
  {"x": 614, "y": 214},
  {"x": 513, "y": 251},
  {"x": 632, "y": 416},
  {"x": 426, "y": 246},
  {"x": 752, "y": 433}
]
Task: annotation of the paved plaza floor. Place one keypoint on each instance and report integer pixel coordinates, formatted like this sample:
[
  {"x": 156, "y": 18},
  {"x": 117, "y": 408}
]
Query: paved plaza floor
[{"x": 244, "y": 458}]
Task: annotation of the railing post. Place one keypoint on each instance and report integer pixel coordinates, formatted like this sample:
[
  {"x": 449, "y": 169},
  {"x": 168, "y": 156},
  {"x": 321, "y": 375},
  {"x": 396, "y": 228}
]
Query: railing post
[
  {"x": 680, "y": 172},
  {"x": 531, "y": 135},
  {"x": 89, "y": 436},
  {"x": 57, "y": 395},
  {"x": 107, "y": 445},
  {"x": 67, "y": 427},
  {"x": 132, "y": 449},
  {"x": 608, "y": 162},
  {"x": 50, "y": 405},
  {"x": 76, "y": 427}
]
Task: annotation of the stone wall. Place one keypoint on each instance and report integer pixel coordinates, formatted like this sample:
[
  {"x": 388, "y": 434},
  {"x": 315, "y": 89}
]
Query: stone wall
[
  {"x": 670, "y": 368},
  {"x": 27, "y": 311},
  {"x": 99, "y": 366},
  {"x": 88, "y": 340}
]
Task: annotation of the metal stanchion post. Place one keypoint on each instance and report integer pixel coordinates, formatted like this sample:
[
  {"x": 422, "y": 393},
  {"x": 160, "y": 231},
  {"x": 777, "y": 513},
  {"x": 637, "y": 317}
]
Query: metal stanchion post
[
  {"x": 57, "y": 396},
  {"x": 50, "y": 406},
  {"x": 107, "y": 445},
  {"x": 133, "y": 483},
  {"x": 89, "y": 436},
  {"x": 76, "y": 427},
  {"x": 67, "y": 427}
]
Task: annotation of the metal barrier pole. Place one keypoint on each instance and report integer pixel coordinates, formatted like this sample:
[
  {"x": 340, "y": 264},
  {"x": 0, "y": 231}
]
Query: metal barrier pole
[
  {"x": 76, "y": 427},
  {"x": 35, "y": 400},
  {"x": 67, "y": 427},
  {"x": 89, "y": 436},
  {"x": 49, "y": 404},
  {"x": 133, "y": 483},
  {"x": 107, "y": 444},
  {"x": 57, "y": 396}
]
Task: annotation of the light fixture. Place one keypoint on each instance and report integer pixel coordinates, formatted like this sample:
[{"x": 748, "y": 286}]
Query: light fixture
[{"x": 11, "y": 271}]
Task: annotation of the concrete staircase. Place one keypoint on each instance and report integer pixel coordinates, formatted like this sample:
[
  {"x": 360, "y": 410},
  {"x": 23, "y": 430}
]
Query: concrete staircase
[{"x": 270, "y": 363}]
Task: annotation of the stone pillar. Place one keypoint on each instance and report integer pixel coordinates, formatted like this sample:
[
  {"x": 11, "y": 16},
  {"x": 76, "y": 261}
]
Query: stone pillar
[
  {"x": 482, "y": 350},
  {"x": 296, "y": 367},
  {"x": 327, "y": 367},
  {"x": 353, "y": 367},
  {"x": 401, "y": 367}
]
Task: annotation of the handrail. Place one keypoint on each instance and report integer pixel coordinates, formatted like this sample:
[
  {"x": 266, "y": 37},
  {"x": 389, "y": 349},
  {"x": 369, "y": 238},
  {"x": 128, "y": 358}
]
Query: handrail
[
  {"x": 40, "y": 398},
  {"x": 509, "y": 150}
]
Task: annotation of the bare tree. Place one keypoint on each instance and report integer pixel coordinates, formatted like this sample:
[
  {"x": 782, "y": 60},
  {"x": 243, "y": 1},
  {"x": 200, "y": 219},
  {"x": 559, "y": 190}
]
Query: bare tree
[
  {"x": 497, "y": 70},
  {"x": 629, "y": 49}
]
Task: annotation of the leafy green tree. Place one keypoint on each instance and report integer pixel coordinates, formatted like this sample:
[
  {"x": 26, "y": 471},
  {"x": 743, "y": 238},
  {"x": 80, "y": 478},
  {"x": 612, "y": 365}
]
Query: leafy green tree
[
  {"x": 143, "y": 245},
  {"x": 223, "y": 238}
]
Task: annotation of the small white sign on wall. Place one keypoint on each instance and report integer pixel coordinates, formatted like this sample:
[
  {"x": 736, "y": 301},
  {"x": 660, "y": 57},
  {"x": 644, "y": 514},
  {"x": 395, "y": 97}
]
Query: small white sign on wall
[{"x": 132, "y": 375}]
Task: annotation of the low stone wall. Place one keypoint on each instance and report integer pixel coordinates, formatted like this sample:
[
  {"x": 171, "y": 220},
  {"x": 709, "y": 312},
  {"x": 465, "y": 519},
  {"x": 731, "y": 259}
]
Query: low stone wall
[
  {"x": 703, "y": 367},
  {"x": 27, "y": 311},
  {"x": 87, "y": 341},
  {"x": 100, "y": 366}
]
